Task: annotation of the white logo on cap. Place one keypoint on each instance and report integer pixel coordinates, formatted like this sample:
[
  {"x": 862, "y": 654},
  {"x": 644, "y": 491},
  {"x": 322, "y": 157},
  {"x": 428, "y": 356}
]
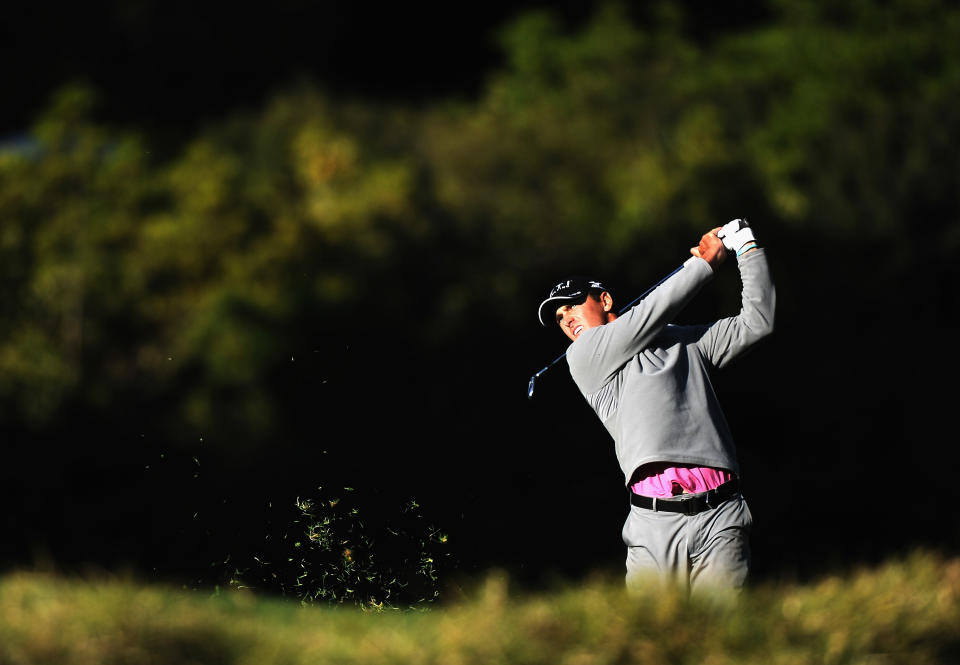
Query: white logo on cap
[{"x": 558, "y": 287}]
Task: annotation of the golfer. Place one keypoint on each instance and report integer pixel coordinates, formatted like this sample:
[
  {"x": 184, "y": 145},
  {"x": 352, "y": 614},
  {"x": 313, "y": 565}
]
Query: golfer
[{"x": 648, "y": 381}]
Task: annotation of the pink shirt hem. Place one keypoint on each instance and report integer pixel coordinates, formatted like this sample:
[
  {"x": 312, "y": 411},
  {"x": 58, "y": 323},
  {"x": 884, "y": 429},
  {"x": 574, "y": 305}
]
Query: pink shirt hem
[{"x": 668, "y": 481}]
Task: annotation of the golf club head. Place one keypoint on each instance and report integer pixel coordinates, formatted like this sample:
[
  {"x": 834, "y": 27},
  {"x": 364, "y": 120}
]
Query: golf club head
[{"x": 533, "y": 380}]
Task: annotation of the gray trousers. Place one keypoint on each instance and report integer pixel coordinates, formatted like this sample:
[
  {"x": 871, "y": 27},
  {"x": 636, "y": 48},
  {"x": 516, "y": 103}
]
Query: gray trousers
[{"x": 707, "y": 550}]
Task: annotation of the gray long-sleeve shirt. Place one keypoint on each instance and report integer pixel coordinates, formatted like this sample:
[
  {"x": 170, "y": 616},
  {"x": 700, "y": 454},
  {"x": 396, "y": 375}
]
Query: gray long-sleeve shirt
[{"x": 648, "y": 379}]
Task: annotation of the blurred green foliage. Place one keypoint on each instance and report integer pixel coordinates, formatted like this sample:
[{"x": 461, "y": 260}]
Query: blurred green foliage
[
  {"x": 903, "y": 612},
  {"x": 122, "y": 273},
  {"x": 126, "y": 274}
]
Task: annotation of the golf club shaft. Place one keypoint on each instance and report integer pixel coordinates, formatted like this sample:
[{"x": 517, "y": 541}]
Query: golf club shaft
[{"x": 533, "y": 379}]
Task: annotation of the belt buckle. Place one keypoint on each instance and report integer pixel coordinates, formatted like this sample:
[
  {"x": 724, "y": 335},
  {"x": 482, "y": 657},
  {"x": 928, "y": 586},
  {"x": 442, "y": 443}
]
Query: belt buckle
[{"x": 690, "y": 505}]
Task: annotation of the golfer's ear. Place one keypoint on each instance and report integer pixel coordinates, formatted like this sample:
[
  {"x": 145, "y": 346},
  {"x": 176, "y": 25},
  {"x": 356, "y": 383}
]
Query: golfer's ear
[{"x": 607, "y": 300}]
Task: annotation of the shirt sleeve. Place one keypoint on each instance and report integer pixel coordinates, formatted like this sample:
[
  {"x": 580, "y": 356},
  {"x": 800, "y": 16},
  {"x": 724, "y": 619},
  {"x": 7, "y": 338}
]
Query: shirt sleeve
[
  {"x": 599, "y": 353},
  {"x": 728, "y": 338}
]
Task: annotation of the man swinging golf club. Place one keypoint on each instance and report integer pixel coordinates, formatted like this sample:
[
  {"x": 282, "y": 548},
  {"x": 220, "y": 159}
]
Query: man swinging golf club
[{"x": 647, "y": 380}]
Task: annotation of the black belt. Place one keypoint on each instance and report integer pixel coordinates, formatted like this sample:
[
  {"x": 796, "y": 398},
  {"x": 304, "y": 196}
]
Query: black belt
[{"x": 689, "y": 504}]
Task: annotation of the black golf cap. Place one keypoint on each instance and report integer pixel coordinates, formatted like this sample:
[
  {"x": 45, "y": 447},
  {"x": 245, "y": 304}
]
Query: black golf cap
[{"x": 569, "y": 290}]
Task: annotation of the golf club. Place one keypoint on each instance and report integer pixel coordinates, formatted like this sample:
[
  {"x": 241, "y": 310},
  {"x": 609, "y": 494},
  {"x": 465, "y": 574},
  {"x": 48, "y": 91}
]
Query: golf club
[{"x": 533, "y": 379}]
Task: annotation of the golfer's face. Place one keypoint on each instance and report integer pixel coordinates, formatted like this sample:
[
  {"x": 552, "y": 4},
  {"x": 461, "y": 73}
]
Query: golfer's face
[{"x": 574, "y": 319}]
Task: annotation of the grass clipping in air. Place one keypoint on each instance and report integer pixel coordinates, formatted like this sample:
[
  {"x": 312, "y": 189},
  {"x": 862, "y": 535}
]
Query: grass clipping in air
[{"x": 907, "y": 611}]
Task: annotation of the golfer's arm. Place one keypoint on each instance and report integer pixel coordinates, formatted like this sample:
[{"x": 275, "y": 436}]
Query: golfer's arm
[
  {"x": 602, "y": 351},
  {"x": 727, "y": 338}
]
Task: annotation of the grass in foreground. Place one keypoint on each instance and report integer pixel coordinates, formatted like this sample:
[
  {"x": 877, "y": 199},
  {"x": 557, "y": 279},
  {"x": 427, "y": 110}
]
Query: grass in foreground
[{"x": 907, "y": 611}]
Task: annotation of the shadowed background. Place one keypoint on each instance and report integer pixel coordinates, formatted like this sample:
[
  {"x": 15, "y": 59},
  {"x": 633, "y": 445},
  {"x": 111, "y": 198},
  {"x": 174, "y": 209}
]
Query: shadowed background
[{"x": 250, "y": 251}]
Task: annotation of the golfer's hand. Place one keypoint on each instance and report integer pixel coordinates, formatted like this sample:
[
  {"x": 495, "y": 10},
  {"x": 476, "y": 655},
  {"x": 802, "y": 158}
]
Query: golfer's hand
[
  {"x": 710, "y": 249},
  {"x": 737, "y": 234}
]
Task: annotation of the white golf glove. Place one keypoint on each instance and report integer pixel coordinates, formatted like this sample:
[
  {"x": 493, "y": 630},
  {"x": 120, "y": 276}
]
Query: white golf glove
[{"x": 735, "y": 234}]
